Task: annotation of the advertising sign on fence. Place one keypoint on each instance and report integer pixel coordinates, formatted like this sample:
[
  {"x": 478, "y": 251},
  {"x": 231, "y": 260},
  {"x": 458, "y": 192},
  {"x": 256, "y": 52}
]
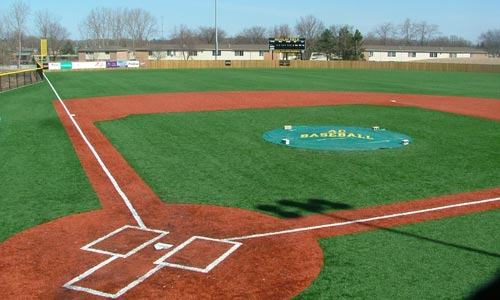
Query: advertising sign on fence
[
  {"x": 80, "y": 65},
  {"x": 66, "y": 65},
  {"x": 77, "y": 65},
  {"x": 133, "y": 64},
  {"x": 116, "y": 64},
  {"x": 54, "y": 66}
]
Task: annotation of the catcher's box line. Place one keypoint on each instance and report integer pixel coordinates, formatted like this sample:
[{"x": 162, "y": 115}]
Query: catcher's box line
[
  {"x": 98, "y": 158},
  {"x": 360, "y": 221}
]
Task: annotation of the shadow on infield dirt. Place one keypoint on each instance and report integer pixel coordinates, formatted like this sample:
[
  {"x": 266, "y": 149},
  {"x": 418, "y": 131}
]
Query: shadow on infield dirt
[{"x": 296, "y": 209}]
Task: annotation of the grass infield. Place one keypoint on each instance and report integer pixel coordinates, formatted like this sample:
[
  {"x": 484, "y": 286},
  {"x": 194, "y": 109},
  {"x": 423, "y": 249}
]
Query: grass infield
[
  {"x": 225, "y": 161},
  {"x": 444, "y": 259}
]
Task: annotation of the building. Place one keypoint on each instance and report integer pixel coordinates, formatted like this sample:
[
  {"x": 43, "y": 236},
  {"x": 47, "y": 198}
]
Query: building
[
  {"x": 179, "y": 52},
  {"x": 104, "y": 53},
  {"x": 161, "y": 52},
  {"x": 415, "y": 53}
]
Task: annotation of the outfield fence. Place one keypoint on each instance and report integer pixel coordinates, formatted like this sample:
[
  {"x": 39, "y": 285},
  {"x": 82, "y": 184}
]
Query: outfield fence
[
  {"x": 307, "y": 64},
  {"x": 17, "y": 79}
]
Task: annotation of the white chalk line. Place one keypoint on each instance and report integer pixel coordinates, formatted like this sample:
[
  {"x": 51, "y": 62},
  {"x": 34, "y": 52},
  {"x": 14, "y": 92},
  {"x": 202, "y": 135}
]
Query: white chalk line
[
  {"x": 99, "y": 160},
  {"x": 161, "y": 262},
  {"x": 209, "y": 267},
  {"x": 360, "y": 221},
  {"x": 90, "y": 246},
  {"x": 72, "y": 283}
]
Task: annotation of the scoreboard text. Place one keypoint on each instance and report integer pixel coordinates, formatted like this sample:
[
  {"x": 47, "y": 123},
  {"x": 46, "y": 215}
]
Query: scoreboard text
[{"x": 287, "y": 44}]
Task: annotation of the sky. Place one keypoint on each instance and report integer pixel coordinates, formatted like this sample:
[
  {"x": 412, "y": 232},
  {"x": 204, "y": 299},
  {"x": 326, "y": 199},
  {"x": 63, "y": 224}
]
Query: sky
[{"x": 463, "y": 18}]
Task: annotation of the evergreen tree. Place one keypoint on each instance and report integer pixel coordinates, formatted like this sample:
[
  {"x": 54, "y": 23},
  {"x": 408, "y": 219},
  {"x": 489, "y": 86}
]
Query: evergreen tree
[{"x": 326, "y": 44}]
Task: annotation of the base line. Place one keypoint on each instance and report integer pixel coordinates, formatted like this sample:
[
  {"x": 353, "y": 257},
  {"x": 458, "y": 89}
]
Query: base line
[
  {"x": 99, "y": 160},
  {"x": 259, "y": 235}
]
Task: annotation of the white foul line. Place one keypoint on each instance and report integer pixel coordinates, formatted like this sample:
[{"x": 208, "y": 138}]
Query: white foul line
[
  {"x": 99, "y": 160},
  {"x": 259, "y": 235}
]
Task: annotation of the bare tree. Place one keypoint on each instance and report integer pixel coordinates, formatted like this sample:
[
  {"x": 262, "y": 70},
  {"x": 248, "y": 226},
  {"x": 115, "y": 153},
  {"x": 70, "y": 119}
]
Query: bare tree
[
  {"x": 490, "y": 41},
  {"x": 3, "y": 41},
  {"x": 140, "y": 26},
  {"x": 412, "y": 33},
  {"x": 449, "y": 41},
  {"x": 282, "y": 31},
  {"x": 116, "y": 26},
  {"x": 407, "y": 31},
  {"x": 207, "y": 34},
  {"x": 253, "y": 35},
  {"x": 49, "y": 27},
  {"x": 309, "y": 27},
  {"x": 16, "y": 19},
  {"x": 425, "y": 32},
  {"x": 385, "y": 32},
  {"x": 95, "y": 27},
  {"x": 158, "y": 54},
  {"x": 185, "y": 38}
]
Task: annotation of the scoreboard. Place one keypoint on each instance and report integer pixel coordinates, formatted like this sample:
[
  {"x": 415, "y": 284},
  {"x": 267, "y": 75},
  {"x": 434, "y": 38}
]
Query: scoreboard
[{"x": 287, "y": 44}]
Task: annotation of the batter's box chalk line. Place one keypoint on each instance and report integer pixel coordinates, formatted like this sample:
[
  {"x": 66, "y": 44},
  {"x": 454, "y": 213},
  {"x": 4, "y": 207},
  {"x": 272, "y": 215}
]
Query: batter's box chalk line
[
  {"x": 139, "y": 233},
  {"x": 211, "y": 262},
  {"x": 128, "y": 240}
]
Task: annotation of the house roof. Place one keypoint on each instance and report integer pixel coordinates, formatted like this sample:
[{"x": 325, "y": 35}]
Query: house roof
[
  {"x": 423, "y": 49},
  {"x": 103, "y": 48},
  {"x": 201, "y": 47},
  {"x": 265, "y": 47},
  {"x": 179, "y": 47}
]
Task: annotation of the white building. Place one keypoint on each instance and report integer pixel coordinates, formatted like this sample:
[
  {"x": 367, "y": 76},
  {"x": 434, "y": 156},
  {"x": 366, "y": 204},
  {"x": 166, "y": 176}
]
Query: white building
[
  {"x": 179, "y": 52},
  {"x": 204, "y": 52},
  {"x": 414, "y": 53}
]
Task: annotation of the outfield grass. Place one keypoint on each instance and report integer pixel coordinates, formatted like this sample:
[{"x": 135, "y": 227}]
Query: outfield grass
[
  {"x": 42, "y": 178},
  {"x": 93, "y": 83}
]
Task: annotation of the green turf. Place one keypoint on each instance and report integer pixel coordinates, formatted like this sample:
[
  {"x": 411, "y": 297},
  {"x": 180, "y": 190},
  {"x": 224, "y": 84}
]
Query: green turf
[
  {"x": 42, "y": 178},
  {"x": 442, "y": 259},
  {"x": 222, "y": 158},
  {"x": 92, "y": 83}
]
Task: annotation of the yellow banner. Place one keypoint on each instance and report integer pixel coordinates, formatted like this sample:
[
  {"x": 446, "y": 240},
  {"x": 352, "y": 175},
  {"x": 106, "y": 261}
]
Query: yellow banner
[{"x": 43, "y": 47}]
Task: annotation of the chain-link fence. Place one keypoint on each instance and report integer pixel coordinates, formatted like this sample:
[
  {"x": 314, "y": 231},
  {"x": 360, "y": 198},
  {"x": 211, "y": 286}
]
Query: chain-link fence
[{"x": 17, "y": 79}]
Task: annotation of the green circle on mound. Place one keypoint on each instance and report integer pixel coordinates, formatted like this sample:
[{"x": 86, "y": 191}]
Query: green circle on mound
[{"x": 336, "y": 138}]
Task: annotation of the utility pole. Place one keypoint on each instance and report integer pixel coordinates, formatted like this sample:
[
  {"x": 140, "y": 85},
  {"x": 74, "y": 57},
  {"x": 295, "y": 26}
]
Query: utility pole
[{"x": 216, "y": 33}]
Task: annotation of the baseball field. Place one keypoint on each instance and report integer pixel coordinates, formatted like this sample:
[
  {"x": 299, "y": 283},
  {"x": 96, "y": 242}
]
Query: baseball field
[{"x": 157, "y": 184}]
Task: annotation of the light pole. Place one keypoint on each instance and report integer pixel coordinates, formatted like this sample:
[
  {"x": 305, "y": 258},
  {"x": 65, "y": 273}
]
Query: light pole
[{"x": 216, "y": 33}]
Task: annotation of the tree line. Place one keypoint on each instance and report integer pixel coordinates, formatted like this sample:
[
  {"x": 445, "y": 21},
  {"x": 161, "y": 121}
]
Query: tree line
[{"x": 133, "y": 28}]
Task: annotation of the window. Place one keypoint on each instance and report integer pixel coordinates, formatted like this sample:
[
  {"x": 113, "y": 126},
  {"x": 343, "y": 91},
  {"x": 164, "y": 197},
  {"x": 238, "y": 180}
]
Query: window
[
  {"x": 391, "y": 53},
  {"x": 371, "y": 54},
  {"x": 193, "y": 53},
  {"x": 238, "y": 53},
  {"x": 433, "y": 54},
  {"x": 170, "y": 52},
  {"x": 150, "y": 53},
  {"x": 218, "y": 52},
  {"x": 261, "y": 53},
  {"x": 106, "y": 52},
  {"x": 412, "y": 54},
  {"x": 453, "y": 55}
]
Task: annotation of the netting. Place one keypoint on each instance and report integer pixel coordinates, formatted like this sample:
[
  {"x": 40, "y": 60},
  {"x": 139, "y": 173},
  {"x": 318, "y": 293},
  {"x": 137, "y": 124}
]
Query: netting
[{"x": 337, "y": 137}]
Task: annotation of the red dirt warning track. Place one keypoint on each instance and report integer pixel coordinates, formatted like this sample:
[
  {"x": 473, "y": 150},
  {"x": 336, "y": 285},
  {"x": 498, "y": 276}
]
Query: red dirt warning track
[{"x": 207, "y": 252}]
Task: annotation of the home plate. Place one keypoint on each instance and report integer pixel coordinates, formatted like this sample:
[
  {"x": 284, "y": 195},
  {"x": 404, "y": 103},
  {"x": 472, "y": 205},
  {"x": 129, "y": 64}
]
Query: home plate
[{"x": 162, "y": 246}]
